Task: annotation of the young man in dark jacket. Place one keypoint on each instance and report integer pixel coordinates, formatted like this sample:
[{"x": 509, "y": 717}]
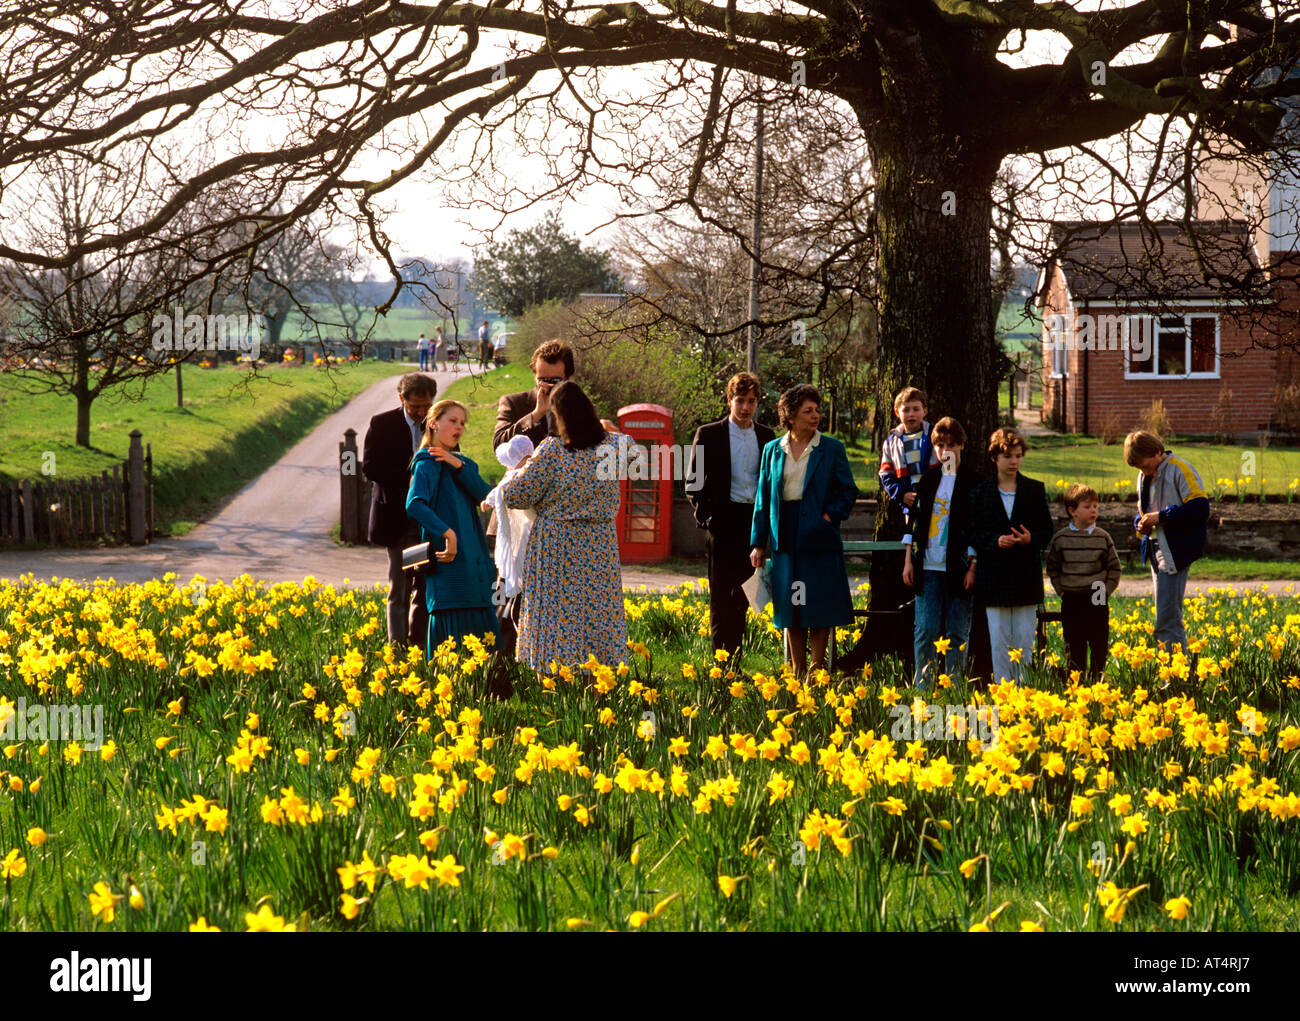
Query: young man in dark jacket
[
  {"x": 942, "y": 568},
  {"x": 721, "y": 486}
]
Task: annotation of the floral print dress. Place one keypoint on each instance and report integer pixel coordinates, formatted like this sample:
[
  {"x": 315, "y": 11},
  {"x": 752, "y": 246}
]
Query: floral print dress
[{"x": 573, "y": 582}]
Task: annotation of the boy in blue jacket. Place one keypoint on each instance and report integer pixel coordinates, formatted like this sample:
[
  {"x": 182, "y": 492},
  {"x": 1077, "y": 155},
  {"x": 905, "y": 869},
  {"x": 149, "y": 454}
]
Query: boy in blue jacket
[
  {"x": 1172, "y": 511},
  {"x": 908, "y": 452}
]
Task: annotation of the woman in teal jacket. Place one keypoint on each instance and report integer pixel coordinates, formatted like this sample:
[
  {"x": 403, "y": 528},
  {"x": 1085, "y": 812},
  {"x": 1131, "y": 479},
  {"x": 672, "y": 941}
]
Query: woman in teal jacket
[
  {"x": 805, "y": 489},
  {"x": 444, "y": 496}
]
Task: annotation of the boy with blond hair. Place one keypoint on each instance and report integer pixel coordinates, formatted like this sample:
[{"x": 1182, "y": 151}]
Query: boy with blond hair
[
  {"x": 1172, "y": 511},
  {"x": 908, "y": 451},
  {"x": 1083, "y": 566}
]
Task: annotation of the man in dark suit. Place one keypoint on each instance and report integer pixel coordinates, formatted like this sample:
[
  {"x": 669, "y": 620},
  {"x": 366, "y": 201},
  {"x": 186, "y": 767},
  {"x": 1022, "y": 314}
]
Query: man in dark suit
[
  {"x": 721, "y": 485},
  {"x": 391, "y": 440}
]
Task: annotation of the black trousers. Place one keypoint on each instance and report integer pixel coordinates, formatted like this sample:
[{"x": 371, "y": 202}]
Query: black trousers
[
  {"x": 407, "y": 611},
  {"x": 1087, "y": 631},
  {"x": 729, "y": 569}
]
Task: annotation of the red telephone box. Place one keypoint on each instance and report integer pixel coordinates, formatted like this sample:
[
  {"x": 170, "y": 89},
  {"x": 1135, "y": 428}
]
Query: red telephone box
[{"x": 645, "y": 510}]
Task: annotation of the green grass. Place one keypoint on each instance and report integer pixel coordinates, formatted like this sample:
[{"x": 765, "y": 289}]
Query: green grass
[
  {"x": 226, "y": 435},
  {"x": 401, "y": 324},
  {"x": 1224, "y": 469}
]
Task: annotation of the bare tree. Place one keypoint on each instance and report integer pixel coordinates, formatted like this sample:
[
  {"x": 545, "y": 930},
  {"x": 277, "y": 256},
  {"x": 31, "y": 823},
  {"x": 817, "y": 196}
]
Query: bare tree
[{"x": 87, "y": 326}]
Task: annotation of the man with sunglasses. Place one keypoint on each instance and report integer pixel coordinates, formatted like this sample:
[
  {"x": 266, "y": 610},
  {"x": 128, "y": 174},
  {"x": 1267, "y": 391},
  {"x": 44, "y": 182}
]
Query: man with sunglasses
[
  {"x": 528, "y": 413},
  {"x": 391, "y": 440}
]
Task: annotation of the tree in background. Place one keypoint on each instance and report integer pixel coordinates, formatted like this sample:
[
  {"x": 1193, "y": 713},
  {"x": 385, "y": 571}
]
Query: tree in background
[
  {"x": 84, "y": 327},
  {"x": 539, "y": 264}
]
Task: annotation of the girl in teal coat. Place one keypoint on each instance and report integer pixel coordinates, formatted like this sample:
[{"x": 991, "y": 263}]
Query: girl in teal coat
[{"x": 444, "y": 496}]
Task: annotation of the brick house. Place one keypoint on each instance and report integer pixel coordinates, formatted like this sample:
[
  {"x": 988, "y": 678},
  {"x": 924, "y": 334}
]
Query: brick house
[
  {"x": 1134, "y": 312},
  {"x": 1128, "y": 318}
]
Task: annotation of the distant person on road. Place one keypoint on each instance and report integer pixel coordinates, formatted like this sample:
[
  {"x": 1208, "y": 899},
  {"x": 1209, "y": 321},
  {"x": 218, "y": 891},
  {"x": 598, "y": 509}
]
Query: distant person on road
[
  {"x": 484, "y": 345},
  {"x": 391, "y": 441},
  {"x": 422, "y": 348},
  {"x": 499, "y": 348},
  {"x": 445, "y": 493},
  {"x": 440, "y": 347}
]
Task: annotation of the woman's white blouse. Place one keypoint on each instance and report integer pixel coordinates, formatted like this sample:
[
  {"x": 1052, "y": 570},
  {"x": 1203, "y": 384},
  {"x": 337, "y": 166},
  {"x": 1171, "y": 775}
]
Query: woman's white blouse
[{"x": 796, "y": 469}]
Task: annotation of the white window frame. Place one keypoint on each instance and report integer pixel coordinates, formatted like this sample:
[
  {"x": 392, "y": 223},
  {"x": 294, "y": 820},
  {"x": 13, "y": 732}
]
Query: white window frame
[
  {"x": 1187, "y": 317},
  {"x": 1060, "y": 361}
]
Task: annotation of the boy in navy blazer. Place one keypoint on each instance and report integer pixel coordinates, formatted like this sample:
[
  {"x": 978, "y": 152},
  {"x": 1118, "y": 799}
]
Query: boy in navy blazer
[{"x": 722, "y": 482}]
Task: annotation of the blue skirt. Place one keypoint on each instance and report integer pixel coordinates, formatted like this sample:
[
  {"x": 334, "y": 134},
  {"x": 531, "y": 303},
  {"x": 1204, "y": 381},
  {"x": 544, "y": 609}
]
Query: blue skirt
[
  {"x": 810, "y": 589},
  {"x": 473, "y": 620}
]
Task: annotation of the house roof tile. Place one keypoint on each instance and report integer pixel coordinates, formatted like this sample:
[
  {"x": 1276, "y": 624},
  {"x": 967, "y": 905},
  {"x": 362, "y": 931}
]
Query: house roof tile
[{"x": 1156, "y": 260}]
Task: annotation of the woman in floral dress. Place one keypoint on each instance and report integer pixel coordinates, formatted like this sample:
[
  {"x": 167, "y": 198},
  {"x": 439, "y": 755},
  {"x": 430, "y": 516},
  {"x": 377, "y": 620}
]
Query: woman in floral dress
[{"x": 573, "y": 584}]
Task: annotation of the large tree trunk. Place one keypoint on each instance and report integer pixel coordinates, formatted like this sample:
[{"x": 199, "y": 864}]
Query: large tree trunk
[
  {"x": 81, "y": 388},
  {"x": 933, "y": 216}
]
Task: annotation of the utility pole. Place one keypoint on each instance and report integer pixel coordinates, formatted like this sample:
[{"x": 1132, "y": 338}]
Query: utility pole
[{"x": 751, "y": 344}]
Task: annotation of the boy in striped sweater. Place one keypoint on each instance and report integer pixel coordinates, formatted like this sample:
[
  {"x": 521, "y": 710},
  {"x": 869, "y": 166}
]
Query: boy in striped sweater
[{"x": 1084, "y": 568}]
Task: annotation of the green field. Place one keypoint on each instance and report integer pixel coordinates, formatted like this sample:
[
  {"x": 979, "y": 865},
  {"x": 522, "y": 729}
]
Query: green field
[{"x": 230, "y": 430}]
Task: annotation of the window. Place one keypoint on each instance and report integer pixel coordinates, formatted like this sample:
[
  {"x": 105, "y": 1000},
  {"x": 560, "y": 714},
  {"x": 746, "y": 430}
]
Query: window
[{"x": 1182, "y": 347}]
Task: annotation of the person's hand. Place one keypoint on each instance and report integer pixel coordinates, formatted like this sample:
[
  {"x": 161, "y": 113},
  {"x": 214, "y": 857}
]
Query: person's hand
[
  {"x": 610, "y": 427},
  {"x": 968, "y": 582},
  {"x": 446, "y": 456},
  {"x": 446, "y": 556},
  {"x": 1023, "y": 536},
  {"x": 909, "y": 499},
  {"x": 827, "y": 518},
  {"x": 1007, "y": 541},
  {"x": 1148, "y": 522},
  {"x": 907, "y": 573},
  {"x": 485, "y": 506},
  {"x": 543, "y": 394},
  {"x": 756, "y": 557}
]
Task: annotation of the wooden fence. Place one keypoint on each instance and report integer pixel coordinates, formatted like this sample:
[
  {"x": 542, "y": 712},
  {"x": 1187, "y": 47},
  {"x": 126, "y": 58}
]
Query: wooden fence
[{"x": 116, "y": 506}]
